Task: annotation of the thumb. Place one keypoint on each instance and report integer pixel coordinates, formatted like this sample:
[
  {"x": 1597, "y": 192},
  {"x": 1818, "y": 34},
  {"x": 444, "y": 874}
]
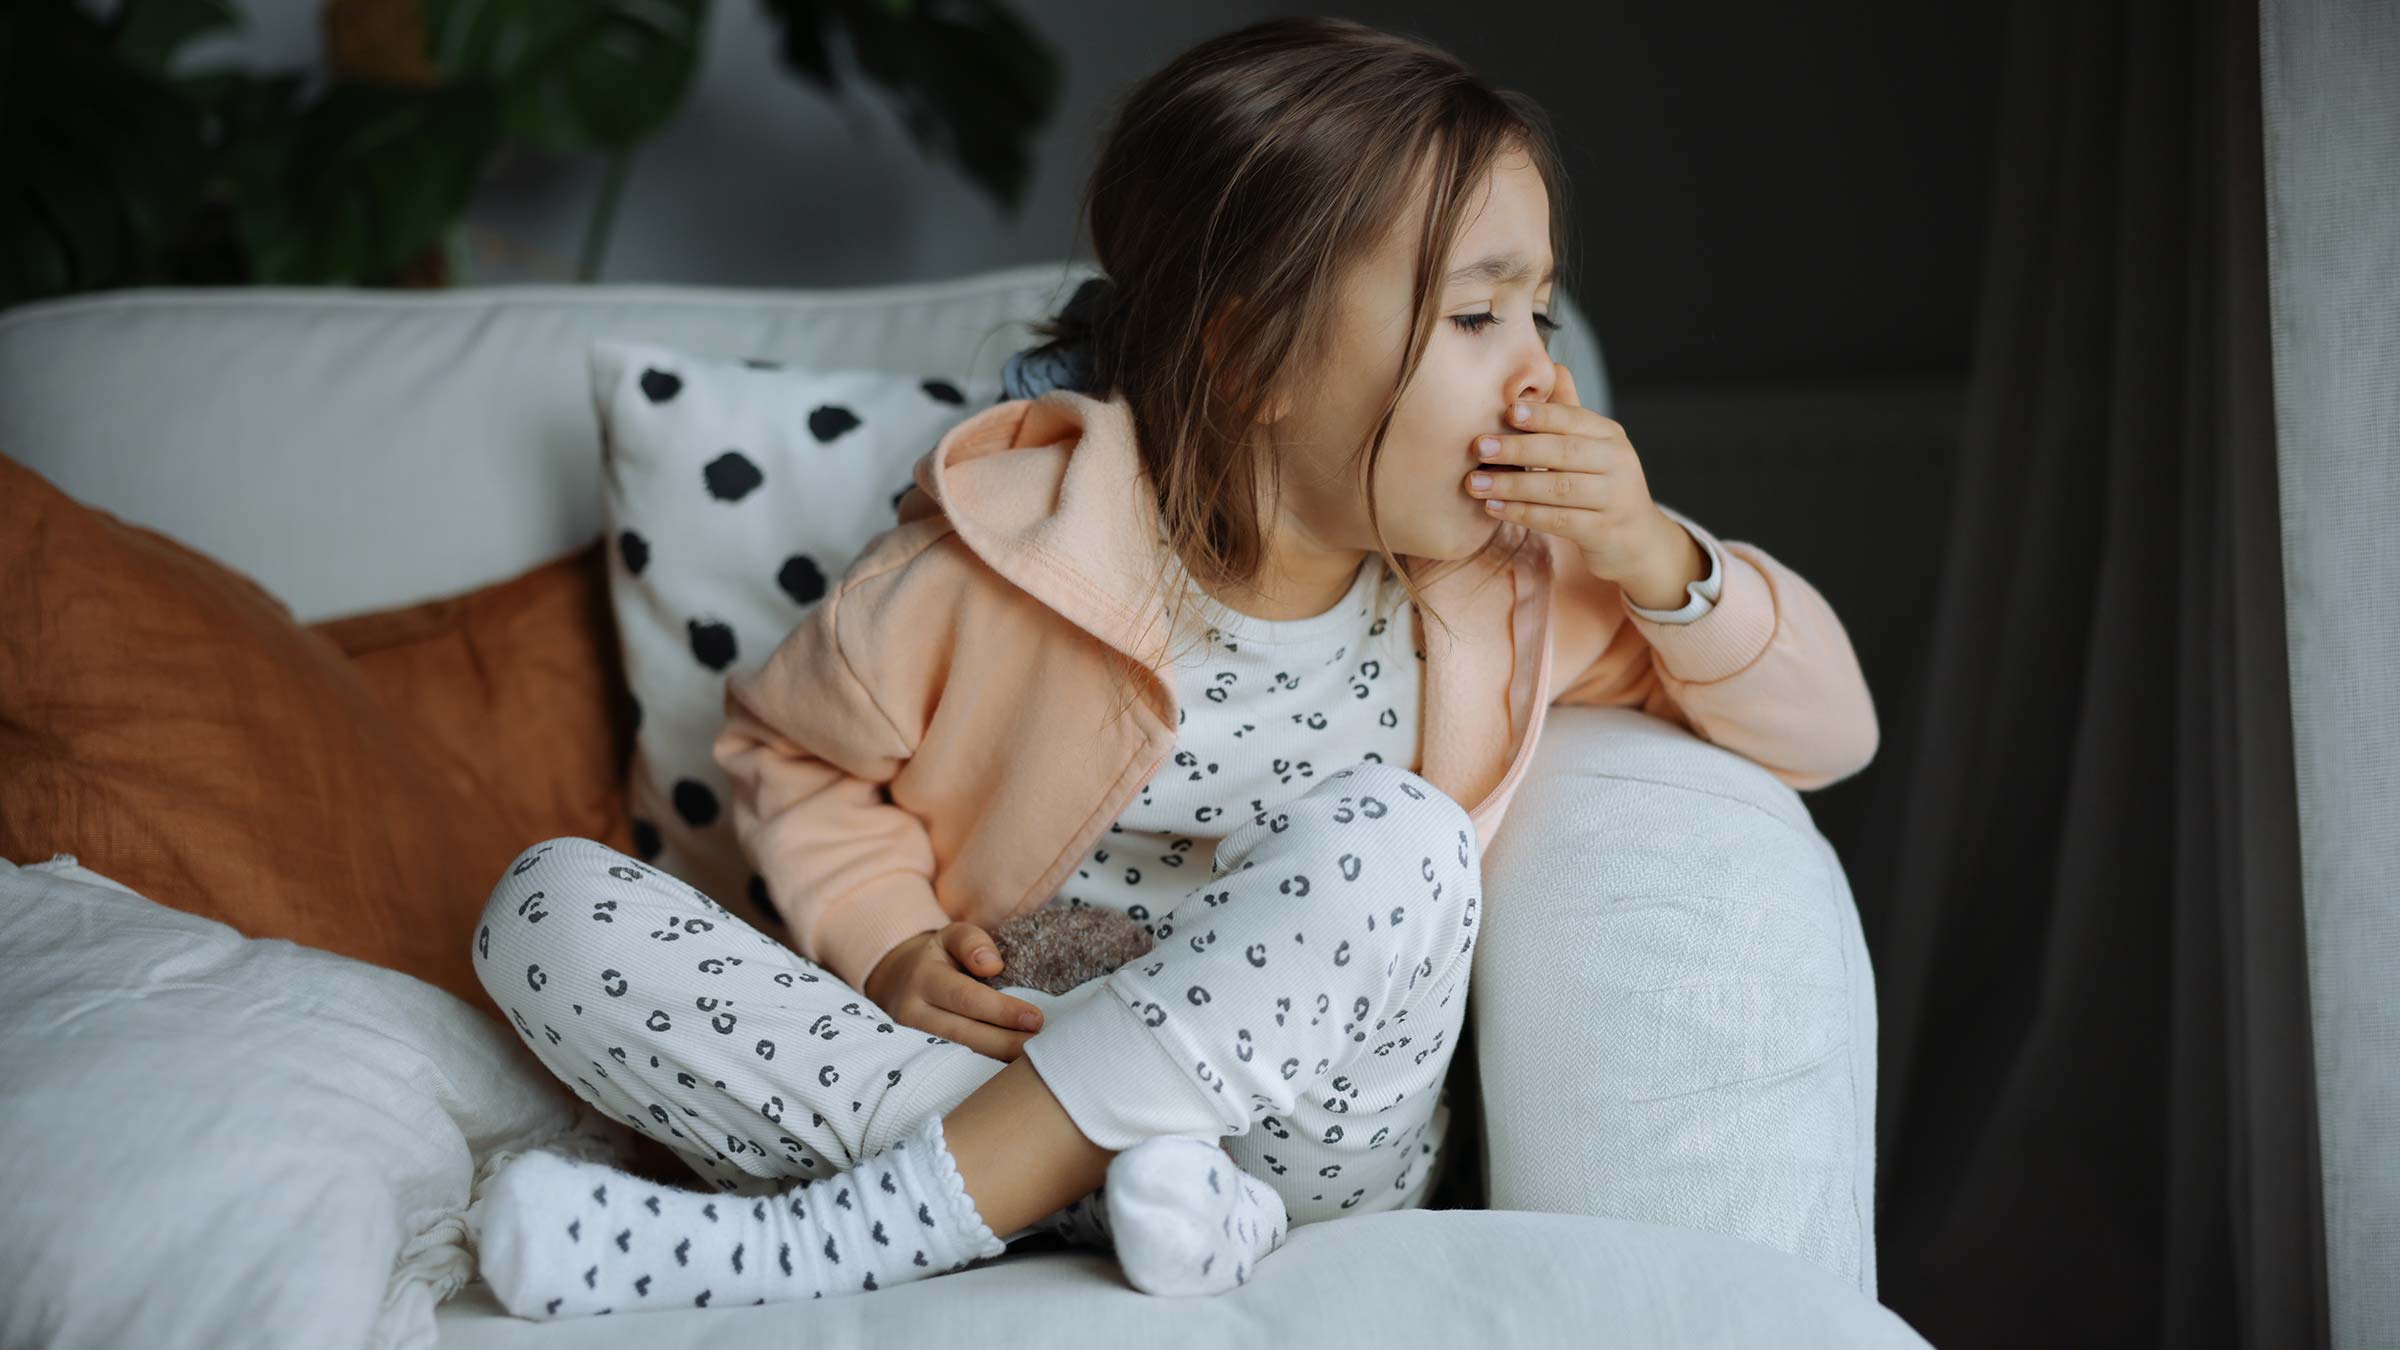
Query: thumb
[{"x": 968, "y": 945}]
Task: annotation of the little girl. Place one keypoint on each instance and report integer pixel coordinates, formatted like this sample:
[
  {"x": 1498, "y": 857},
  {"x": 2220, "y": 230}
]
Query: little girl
[{"x": 1236, "y": 615}]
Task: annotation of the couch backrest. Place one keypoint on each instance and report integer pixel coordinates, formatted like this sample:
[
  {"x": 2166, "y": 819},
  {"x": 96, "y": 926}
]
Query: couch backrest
[{"x": 354, "y": 449}]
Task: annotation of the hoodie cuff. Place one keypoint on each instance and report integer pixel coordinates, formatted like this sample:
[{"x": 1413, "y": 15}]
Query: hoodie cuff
[
  {"x": 861, "y": 928},
  {"x": 1726, "y": 637}
]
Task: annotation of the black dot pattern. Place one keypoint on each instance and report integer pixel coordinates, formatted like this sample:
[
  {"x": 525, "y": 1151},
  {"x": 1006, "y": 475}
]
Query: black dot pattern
[
  {"x": 732, "y": 476},
  {"x": 694, "y": 802},
  {"x": 801, "y": 579}
]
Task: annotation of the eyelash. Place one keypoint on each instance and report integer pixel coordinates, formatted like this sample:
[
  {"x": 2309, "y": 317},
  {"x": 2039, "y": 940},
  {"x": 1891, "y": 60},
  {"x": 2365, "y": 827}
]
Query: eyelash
[{"x": 1474, "y": 324}]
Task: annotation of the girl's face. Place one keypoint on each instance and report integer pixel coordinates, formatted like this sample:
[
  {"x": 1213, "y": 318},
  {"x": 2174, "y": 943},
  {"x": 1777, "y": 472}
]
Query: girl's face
[{"x": 1488, "y": 350}]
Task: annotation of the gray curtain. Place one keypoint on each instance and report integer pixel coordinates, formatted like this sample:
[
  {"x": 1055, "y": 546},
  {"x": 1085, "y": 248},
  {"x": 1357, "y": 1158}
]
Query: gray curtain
[
  {"x": 2330, "y": 72},
  {"x": 2097, "y": 1124}
]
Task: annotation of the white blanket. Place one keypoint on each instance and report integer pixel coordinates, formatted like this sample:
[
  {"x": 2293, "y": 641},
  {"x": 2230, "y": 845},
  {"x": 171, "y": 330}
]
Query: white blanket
[{"x": 208, "y": 1140}]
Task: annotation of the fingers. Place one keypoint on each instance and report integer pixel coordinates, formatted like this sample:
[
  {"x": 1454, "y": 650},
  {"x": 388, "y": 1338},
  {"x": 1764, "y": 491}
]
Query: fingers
[
  {"x": 1560, "y": 419},
  {"x": 977, "y": 955},
  {"x": 972, "y": 948},
  {"x": 1542, "y": 451},
  {"x": 980, "y": 1037},
  {"x": 1578, "y": 489},
  {"x": 1559, "y": 520},
  {"x": 958, "y": 992}
]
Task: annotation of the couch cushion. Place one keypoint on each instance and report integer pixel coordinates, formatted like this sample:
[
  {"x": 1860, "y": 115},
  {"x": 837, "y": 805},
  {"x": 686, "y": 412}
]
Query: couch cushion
[
  {"x": 1452, "y": 1278},
  {"x": 1678, "y": 897},
  {"x": 412, "y": 445},
  {"x": 357, "y": 449},
  {"x": 164, "y": 719}
]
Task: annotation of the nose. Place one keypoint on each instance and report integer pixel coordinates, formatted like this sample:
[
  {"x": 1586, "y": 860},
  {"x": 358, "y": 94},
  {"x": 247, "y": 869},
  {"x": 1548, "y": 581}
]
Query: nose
[{"x": 1536, "y": 386}]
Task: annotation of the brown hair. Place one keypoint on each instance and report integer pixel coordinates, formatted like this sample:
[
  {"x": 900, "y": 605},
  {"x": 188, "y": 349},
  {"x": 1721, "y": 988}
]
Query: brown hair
[{"x": 1263, "y": 163}]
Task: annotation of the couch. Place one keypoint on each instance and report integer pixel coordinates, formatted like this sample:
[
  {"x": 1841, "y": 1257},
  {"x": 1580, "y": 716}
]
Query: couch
[{"x": 1666, "y": 1096}]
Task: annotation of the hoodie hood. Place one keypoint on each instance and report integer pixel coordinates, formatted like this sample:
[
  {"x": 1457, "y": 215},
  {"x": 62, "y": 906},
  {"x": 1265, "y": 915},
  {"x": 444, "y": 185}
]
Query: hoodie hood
[{"x": 1052, "y": 494}]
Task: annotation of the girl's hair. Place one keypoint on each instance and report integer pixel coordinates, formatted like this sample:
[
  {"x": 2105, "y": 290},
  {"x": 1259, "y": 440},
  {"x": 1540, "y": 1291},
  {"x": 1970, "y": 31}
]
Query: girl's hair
[{"x": 1262, "y": 164}]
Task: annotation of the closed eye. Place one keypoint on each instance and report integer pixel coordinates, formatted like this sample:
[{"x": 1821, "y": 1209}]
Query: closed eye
[{"x": 1473, "y": 324}]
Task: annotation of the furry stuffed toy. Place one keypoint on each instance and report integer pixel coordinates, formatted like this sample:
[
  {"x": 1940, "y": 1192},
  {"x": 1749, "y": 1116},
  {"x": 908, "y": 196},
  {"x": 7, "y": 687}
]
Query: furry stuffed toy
[{"x": 1057, "y": 947}]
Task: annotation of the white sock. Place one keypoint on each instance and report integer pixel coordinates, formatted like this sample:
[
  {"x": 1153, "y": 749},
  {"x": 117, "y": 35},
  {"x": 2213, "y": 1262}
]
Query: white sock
[
  {"x": 558, "y": 1237},
  {"x": 1082, "y": 1223},
  {"x": 1186, "y": 1218}
]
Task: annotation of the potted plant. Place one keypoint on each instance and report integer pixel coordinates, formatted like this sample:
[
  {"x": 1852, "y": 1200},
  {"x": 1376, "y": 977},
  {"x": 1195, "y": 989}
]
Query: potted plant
[{"x": 125, "y": 172}]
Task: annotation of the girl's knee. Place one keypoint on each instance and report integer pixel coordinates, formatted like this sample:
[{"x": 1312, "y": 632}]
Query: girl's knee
[
  {"x": 1387, "y": 792},
  {"x": 1394, "y": 808},
  {"x": 573, "y": 854},
  {"x": 1438, "y": 819},
  {"x": 542, "y": 864},
  {"x": 1433, "y": 832},
  {"x": 534, "y": 903}
]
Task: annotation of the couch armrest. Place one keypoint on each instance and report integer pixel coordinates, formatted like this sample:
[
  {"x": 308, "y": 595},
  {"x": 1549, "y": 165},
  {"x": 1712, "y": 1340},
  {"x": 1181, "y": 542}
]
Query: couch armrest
[{"x": 1672, "y": 1005}]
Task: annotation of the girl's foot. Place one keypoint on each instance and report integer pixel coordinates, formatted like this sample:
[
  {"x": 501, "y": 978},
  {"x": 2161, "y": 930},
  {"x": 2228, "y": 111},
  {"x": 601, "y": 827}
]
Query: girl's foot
[
  {"x": 1186, "y": 1219},
  {"x": 1083, "y": 1223},
  {"x": 558, "y": 1237}
]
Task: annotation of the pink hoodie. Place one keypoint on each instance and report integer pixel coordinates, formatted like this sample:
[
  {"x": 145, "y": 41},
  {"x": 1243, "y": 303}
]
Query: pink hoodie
[{"x": 933, "y": 742}]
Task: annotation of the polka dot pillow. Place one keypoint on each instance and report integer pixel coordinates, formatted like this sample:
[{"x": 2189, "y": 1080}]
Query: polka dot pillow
[{"x": 735, "y": 493}]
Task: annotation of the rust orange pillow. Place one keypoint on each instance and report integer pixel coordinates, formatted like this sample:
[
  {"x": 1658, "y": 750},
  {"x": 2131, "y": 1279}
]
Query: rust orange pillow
[
  {"x": 521, "y": 684},
  {"x": 164, "y": 719}
]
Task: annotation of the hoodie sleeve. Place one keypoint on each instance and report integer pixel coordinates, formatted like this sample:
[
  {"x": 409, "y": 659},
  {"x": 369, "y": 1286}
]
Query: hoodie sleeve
[
  {"x": 809, "y": 750},
  {"x": 1765, "y": 670}
]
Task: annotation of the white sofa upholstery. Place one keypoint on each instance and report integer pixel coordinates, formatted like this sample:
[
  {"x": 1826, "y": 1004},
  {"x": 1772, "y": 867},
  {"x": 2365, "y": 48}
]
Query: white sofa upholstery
[
  {"x": 1675, "y": 900},
  {"x": 1673, "y": 1015}
]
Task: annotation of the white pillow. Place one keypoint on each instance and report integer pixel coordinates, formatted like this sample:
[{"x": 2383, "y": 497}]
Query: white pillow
[
  {"x": 211, "y": 1140},
  {"x": 736, "y": 493}
]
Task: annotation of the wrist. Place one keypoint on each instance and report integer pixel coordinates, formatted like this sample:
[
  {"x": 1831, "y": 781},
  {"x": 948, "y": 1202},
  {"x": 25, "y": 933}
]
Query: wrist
[
  {"x": 1680, "y": 562},
  {"x": 873, "y": 983}
]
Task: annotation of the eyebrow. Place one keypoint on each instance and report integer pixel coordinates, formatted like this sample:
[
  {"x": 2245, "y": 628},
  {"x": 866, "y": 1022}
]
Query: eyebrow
[{"x": 1504, "y": 269}]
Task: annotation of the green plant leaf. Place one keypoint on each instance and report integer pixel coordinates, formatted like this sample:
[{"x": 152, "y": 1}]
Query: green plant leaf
[
  {"x": 368, "y": 176},
  {"x": 149, "y": 32},
  {"x": 971, "y": 81},
  {"x": 105, "y": 159},
  {"x": 992, "y": 85},
  {"x": 573, "y": 75}
]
